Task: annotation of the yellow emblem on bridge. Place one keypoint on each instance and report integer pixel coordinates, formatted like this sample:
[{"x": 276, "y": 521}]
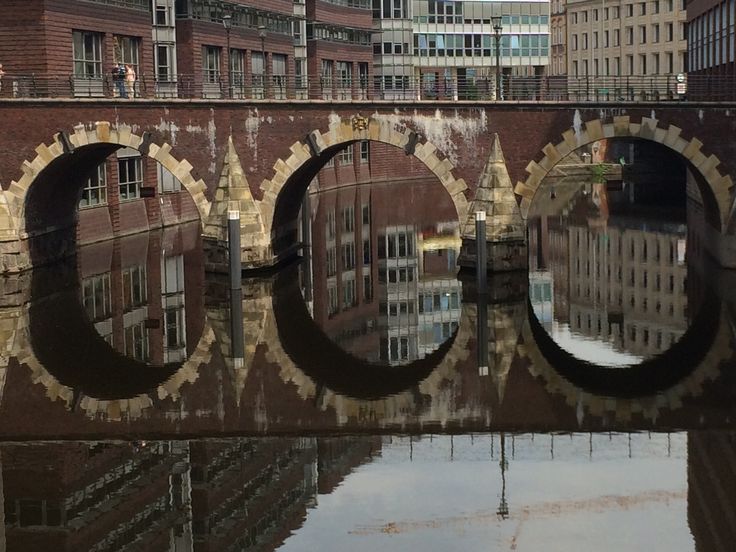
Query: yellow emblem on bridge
[{"x": 360, "y": 123}]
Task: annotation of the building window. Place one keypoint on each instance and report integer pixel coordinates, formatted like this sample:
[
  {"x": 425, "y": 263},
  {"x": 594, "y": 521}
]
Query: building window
[
  {"x": 130, "y": 177},
  {"x": 95, "y": 188},
  {"x": 345, "y": 157},
  {"x": 166, "y": 180},
  {"x": 278, "y": 68},
  {"x": 164, "y": 62},
  {"x": 237, "y": 72},
  {"x": 348, "y": 289},
  {"x": 87, "y": 53},
  {"x": 211, "y": 64},
  {"x": 126, "y": 50}
]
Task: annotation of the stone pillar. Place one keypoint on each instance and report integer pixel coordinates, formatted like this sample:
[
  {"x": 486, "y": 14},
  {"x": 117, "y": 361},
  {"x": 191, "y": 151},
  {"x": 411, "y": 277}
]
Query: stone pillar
[
  {"x": 233, "y": 191},
  {"x": 506, "y": 232}
]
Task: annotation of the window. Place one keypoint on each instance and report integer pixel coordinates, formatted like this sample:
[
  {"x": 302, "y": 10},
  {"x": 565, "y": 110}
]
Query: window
[
  {"x": 629, "y": 10},
  {"x": 130, "y": 177},
  {"x": 162, "y": 15},
  {"x": 126, "y": 50},
  {"x": 642, "y": 34},
  {"x": 211, "y": 64},
  {"x": 278, "y": 67},
  {"x": 642, "y": 8},
  {"x": 348, "y": 288},
  {"x": 655, "y": 33},
  {"x": 164, "y": 62},
  {"x": 95, "y": 188},
  {"x": 669, "y": 33},
  {"x": 364, "y": 151},
  {"x": 87, "y": 53},
  {"x": 366, "y": 214},
  {"x": 166, "y": 180},
  {"x": 345, "y": 156},
  {"x": 367, "y": 288},
  {"x": 237, "y": 72},
  {"x": 331, "y": 261}
]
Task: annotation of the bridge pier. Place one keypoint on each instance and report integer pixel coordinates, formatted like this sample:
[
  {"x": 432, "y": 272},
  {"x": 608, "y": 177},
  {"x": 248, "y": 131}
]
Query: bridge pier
[{"x": 506, "y": 247}]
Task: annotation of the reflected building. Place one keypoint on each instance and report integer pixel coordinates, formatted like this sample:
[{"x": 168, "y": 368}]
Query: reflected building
[
  {"x": 627, "y": 285},
  {"x": 384, "y": 280},
  {"x": 95, "y": 496},
  {"x": 203, "y": 496}
]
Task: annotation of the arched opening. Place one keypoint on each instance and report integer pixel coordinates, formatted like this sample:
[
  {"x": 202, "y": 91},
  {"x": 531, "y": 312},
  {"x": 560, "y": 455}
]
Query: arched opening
[
  {"x": 283, "y": 194},
  {"x": 98, "y": 184}
]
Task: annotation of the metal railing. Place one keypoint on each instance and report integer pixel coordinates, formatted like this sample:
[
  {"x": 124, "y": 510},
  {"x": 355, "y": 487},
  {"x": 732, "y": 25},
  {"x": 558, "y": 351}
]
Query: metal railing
[{"x": 633, "y": 88}]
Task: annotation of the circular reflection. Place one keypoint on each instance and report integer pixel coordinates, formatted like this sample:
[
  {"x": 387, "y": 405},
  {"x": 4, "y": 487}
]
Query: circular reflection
[
  {"x": 381, "y": 281},
  {"x": 122, "y": 319}
]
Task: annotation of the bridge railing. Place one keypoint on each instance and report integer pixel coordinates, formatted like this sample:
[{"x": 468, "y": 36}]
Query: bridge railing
[{"x": 631, "y": 88}]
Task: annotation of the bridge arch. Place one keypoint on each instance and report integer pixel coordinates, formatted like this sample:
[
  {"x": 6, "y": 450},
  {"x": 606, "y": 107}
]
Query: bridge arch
[
  {"x": 715, "y": 188},
  {"x": 100, "y": 139},
  {"x": 308, "y": 156}
]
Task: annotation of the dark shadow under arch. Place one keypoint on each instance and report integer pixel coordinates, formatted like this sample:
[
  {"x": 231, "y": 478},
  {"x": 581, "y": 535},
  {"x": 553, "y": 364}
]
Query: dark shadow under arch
[
  {"x": 648, "y": 378},
  {"x": 66, "y": 344},
  {"x": 327, "y": 364}
]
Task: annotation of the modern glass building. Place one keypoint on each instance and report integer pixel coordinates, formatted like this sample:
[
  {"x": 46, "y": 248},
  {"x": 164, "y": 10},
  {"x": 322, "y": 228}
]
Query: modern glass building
[{"x": 449, "y": 47}]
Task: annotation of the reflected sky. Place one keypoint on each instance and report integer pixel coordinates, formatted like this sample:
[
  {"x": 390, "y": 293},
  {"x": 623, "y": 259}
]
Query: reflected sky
[{"x": 574, "y": 501}]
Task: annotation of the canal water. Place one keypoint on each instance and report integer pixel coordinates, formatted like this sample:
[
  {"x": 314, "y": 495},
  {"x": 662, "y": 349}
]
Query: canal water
[{"x": 344, "y": 402}]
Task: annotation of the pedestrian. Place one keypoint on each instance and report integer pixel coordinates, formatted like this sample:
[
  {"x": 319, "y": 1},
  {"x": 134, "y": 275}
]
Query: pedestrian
[
  {"x": 1, "y": 76},
  {"x": 118, "y": 78},
  {"x": 130, "y": 81}
]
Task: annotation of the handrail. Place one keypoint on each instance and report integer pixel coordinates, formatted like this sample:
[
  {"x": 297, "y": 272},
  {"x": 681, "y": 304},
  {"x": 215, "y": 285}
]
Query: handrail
[{"x": 240, "y": 86}]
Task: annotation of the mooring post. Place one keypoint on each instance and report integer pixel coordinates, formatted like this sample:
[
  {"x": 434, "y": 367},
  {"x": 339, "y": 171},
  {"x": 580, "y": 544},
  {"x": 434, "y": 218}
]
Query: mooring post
[
  {"x": 233, "y": 246},
  {"x": 481, "y": 255},
  {"x": 482, "y": 334},
  {"x": 236, "y": 327}
]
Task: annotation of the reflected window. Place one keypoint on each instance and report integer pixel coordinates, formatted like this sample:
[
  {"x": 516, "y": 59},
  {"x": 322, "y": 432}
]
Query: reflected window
[
  {"x": 367, "y": 288},
  {"x": 136, "y": 341},
  {"x": 332, "y": 305},
  {"x": 134, "y": 287},
  {"x": 95, "y": 188},
  {"x": 364, "y": 151},
  {"x": 96, "y": 296},
  {"x": 348, "y": 219},
  {"x": 348, "y": 256},
  {"x": 348, "y": 287},
  {"x": 366, "y": 251},
  {"x": 331, "y": 261}
]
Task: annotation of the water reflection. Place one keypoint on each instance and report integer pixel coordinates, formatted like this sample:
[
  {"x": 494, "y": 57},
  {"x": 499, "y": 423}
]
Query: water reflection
[
  {"x": 524, "y": 490},
  {"x": 372, "y": 331}
]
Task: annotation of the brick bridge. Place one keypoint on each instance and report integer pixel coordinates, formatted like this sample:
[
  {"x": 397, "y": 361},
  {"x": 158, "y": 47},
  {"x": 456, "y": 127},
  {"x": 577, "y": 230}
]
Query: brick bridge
[{"x": 263, "y": 155}]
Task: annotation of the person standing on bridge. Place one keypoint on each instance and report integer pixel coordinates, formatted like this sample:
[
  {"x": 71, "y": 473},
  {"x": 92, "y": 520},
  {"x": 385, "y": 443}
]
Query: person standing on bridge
[
  {"x": 1, "y": 76},
  {"x": 118, "y": 77},
  {"x": 130, "y": 81}
]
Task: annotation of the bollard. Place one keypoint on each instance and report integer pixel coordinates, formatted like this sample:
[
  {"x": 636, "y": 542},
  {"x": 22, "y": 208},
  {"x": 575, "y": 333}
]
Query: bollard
[
  {"x": 482, "y": 335},
  {"x": 233, "y": 246},
  {"x": 236, "y": 327},
  {"x": 481, "y": 252}
]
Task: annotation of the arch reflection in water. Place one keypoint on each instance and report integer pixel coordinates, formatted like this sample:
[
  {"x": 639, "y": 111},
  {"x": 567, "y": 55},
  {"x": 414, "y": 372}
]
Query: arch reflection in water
[{"x": 120, "y": 326}]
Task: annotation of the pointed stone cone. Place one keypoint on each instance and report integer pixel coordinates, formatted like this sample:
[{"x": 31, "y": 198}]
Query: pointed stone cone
[
  {"x": 233, "y": 187},
  {"x": 495, "y": 195},
  {"x": 505, "y": 322}
]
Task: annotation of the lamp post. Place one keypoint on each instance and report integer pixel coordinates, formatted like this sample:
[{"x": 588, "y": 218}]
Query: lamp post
[
  {"x": 262, "y": 36},
  {"x": 227, "y": 22},
  {"x": 497, "y": 28}
]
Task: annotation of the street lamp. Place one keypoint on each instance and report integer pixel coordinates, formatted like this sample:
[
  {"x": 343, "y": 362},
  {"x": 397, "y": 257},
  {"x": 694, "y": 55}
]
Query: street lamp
[
  {"x": 497, "y": 28},
  {"x": 262, "y": 35},
  {"x": 227, "y": 22}
]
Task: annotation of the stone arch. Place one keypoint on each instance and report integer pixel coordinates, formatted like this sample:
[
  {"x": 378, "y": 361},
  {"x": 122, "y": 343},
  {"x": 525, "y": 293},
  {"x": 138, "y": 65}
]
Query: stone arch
[
  {"x": 718, "y": 184},
  {"x": 13, "y": 203},
  {"x": 355, "y": 129}
]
